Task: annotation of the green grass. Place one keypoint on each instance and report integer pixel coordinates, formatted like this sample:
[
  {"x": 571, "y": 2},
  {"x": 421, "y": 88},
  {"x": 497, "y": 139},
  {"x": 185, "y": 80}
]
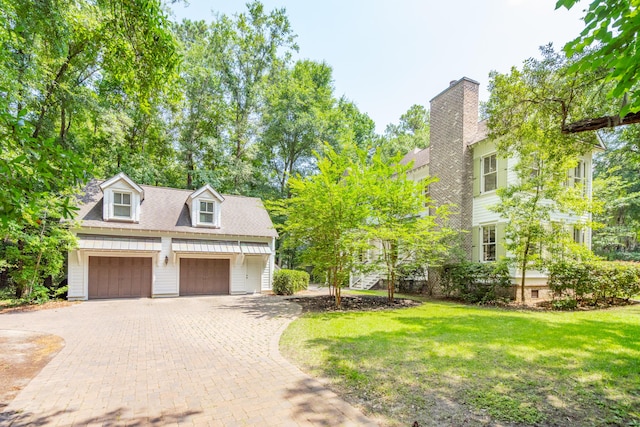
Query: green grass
[{"x": 445, "y": 363}]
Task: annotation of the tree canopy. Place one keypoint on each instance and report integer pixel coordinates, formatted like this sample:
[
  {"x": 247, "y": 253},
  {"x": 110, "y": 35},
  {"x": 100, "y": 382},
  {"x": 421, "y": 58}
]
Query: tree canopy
[{"x": 608, "y": 47}]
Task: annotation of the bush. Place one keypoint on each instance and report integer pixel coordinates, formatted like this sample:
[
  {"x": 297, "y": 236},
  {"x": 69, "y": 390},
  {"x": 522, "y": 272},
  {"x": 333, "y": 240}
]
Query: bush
[
  {"x": 476, "y": 282},
  {"x": 594, "y": 281},
  {"x": 288, "y": 282}
]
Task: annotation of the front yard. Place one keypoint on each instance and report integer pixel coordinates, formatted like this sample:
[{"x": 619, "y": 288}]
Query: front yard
[{"x": 450, "y": 364}]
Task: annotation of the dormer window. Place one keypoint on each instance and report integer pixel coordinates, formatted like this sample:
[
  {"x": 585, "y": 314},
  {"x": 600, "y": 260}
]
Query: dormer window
[
  {"x": 121, "y": 205},
  {"x": 206, "y": 212},
  {"x": 205, "y": 206},
  {"x": 122, "y": 199}
]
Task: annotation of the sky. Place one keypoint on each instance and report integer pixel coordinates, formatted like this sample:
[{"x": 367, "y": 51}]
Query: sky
[{"x": 387, "y": 55}]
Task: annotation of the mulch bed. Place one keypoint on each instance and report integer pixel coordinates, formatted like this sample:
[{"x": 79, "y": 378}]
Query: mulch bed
[
  {"x": 324, "y": 303},
  {"x": 36, "y": 307}
]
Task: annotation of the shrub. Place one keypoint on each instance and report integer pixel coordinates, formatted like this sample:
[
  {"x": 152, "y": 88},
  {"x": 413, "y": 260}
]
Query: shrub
[
  {"x": 288, "y": 282},
  {"x": 476, "y": 282},
  {"x": 594, "y": 281}
]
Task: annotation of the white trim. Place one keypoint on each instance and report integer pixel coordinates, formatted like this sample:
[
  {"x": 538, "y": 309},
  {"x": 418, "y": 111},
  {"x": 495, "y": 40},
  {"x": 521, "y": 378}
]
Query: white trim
[
  {"x": 483, "y": 174},
  {"x": 122, "y": 176}
]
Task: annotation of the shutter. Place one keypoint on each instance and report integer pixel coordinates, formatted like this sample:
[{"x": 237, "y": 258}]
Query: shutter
[
  {"x": 475, "y": 244},
  {"x": 502, "y": 165},
  {"x": 501, "y": 250},
  {"x": 476, "y": 177}
]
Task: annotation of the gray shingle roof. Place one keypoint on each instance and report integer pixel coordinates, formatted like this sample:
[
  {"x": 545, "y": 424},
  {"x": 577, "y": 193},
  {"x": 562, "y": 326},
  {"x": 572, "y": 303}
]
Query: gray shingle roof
[
  {"x": 420, "y": 158},
  {"x": 164, "y": 209}
]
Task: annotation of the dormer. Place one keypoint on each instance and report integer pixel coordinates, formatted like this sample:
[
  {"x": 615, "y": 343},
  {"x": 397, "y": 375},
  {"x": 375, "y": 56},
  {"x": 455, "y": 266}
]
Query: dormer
[
  {"x": 122, "y": 199},
  {"x": 205, "y": 205}
]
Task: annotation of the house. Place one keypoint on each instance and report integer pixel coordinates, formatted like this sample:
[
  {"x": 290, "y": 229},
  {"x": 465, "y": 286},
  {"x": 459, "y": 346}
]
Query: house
[
  {"x": 145, "y": 241},
  {"x": 469, "y": 172}
]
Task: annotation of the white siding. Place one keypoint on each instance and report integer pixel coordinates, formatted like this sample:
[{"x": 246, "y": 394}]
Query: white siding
[
  {"x": 265, "y": 281},
  {"x": 166, "y": 275},
  {"x": 75, "y": 278},
  {"x": 482, "y": 213}
]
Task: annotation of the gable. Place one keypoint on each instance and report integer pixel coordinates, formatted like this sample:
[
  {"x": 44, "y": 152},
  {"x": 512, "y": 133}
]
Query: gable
[
  {"x": 205, "y": 207},
  {"x": 121, "y": 199}
]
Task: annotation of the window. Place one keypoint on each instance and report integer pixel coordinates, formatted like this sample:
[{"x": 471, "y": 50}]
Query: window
[
  {"x": 579, "y": 176},
  {"x": 488, "y": 243},
  {"x": 535, "y": 165},
  {"x": 535, "y": 293},
  {"x": 578, "y": 235},
  {"x": 121, "y": 205},
  {"x": 206, "y": 212},
  {"x": 489, "y": 173},
  {"x": 426, "y": 195}
]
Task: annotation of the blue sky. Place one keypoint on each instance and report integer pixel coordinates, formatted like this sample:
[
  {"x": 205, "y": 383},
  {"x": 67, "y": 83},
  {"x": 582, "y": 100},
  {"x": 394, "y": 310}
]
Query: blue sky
[{"x": 388, "y": 55}]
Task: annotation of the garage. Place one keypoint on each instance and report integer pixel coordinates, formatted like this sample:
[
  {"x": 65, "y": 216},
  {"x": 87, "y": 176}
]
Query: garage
[
  {"x": 204, "y": 276},
  {"x": 119, "y": 277}
]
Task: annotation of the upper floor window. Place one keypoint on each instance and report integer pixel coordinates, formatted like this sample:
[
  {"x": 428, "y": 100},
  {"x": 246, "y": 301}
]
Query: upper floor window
[
  {"x": 426, "y": 194},
  {"x": 206, "y": 212},
  {"x": 489, "y": 173},
  {"x": 488, "y": 243},
  {"x": 121, "y": 205},
  {"x": 579, "y": 176}
]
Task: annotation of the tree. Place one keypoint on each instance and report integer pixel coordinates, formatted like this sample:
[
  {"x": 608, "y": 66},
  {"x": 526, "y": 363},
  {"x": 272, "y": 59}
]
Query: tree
[
  {"x": 617, "y": 186},
  {"x": 54, "y": 58},
  {"x": 523, "y": 122},
  {"x": 395, "y": 220},
  {"x": 202, "y": 112},
  {"x": 246, "y": 51},
  {"x": 349, "y": 125},
  {"x": 411, "y": 132},
  {"x": 296, "y": 120},
  {"x": 325, "y": 216},
  {"x": 608, "y": 46}
]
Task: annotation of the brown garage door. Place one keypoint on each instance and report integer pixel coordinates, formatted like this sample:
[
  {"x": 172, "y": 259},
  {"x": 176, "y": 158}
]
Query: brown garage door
[
  {"x": 204, "y": 276},
  {"x": 119, "y": 277}
]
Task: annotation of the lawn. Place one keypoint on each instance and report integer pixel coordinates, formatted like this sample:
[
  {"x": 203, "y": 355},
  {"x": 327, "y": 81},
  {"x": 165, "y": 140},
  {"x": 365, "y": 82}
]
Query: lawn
[{"x": 452, "y": 364}]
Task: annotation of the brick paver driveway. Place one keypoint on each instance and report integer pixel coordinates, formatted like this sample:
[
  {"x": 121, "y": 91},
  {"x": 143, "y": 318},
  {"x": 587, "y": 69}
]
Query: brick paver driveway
[{"x": 179, "y": 361}]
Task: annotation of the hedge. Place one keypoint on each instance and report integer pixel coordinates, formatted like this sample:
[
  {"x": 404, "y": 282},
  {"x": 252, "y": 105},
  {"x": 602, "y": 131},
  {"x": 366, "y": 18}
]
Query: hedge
[
  {"x": 594, "y": 281},
  {"x": 288, "y": 282},
  {"x": 476, "y": 282}
]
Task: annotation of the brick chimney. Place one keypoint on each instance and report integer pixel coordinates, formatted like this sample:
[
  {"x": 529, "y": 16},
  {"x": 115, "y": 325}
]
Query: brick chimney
[{"x": 454, "y": 122}]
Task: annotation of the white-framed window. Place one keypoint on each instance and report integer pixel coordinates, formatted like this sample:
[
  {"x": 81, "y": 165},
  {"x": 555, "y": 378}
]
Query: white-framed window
[
  {"x": 535, "y": 165},
  {"x": 207, "y": 213},
  {"x": 426, "y": 196},
  {"x": 121, "y": 204},
  {"x": 578, "y": 235},
  {"x": 489, "y": 244},
  {"x": 489, "y": 173},
  {"x": 579, "y": 176}
]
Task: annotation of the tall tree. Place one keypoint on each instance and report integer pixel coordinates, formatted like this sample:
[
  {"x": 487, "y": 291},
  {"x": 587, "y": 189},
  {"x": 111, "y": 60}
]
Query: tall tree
[
  {"x": 55, "y": 55},
  {"x": 296, "y": 119},
  {"x": 523, "y": 120},
  {"x": 201, "y": 115},
  {"x": 411, "y": 132},
  {"x": 247, "y": 50}
]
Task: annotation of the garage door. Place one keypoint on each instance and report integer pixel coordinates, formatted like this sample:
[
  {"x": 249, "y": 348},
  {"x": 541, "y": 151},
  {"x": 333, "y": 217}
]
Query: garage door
[
  {"x": 119, "y": 277},
  {"x": 204, "y": 276}
]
